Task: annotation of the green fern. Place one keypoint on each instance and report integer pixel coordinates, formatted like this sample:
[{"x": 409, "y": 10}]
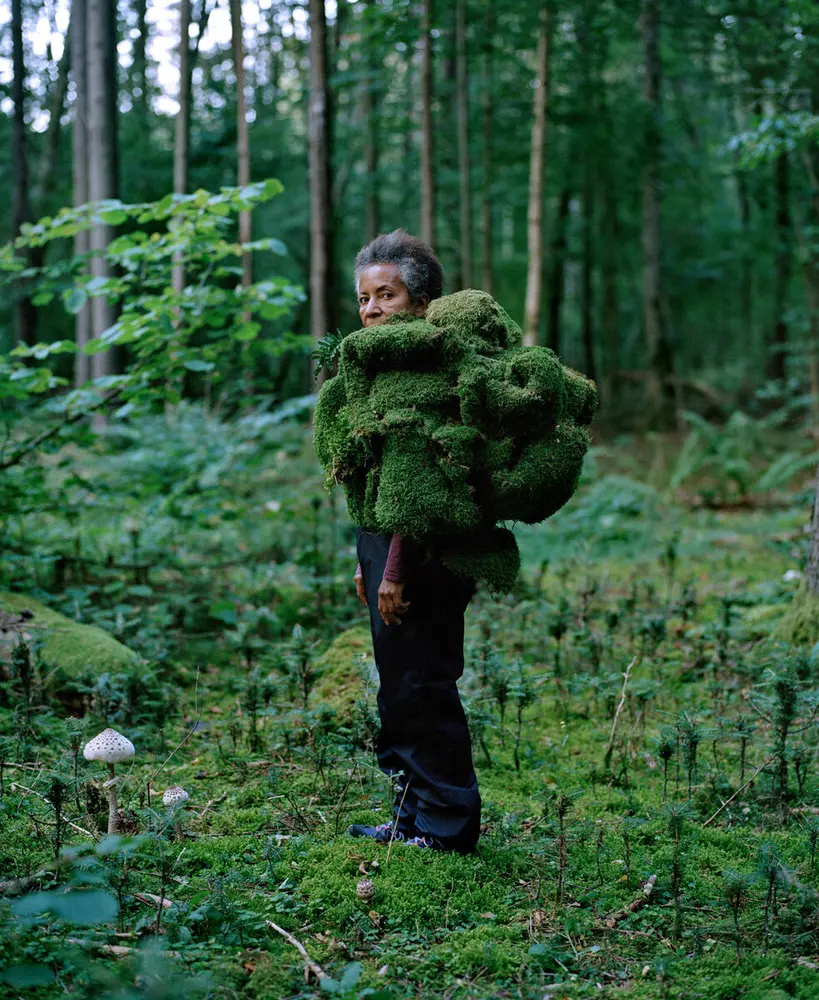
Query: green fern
[{"x": 326, "y": 351}]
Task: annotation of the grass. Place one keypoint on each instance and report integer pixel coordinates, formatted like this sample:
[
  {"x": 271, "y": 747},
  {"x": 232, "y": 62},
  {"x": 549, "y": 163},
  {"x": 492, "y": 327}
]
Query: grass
[{"x": 567, "y": 838}]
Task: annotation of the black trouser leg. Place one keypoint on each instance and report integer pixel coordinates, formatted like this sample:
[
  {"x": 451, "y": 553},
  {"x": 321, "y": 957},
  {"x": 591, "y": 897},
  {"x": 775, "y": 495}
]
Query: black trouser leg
[{"x": 423, "y": 727}]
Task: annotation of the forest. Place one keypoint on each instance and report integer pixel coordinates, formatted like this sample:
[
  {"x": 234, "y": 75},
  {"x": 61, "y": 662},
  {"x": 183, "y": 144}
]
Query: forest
[{"x": 635, "y": 183}]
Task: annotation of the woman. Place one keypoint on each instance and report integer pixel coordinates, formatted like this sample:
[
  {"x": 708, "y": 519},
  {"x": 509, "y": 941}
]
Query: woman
[{"x": 416, "y": 616}]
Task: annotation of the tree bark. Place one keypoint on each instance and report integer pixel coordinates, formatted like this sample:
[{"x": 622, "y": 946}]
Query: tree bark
[
  {"x": 610, "y": 294},
  {"x": 427, "y": 179},
  {"x": 534, "y": 216},
  {"x": 51, "y": 153},
  {"x": 181, "y": 149},
  {"x": 587, "y": 290},
  {"x": 24, "y": 312},
  {"x": 487, "y": 107},
  {"x": 79, "y": 142},
  {"x": 140, "y": 69},
  {"x": 320, "y": 208},
  {"x": 462, "y": 106},
  {"x": 557, "y": 279},
  {"x": 659, "y": 387},
  {"x": 812, "y": 568},
  {"x": 776, "y": 367},
  {"x": 369, "y": 109},
  {"x": 242, "y": 133}
]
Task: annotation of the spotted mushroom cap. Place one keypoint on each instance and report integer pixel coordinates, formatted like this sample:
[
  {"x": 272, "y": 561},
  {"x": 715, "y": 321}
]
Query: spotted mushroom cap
[
  {"x": 175, "y": 796},
  {"x": 110, "y": 747}
]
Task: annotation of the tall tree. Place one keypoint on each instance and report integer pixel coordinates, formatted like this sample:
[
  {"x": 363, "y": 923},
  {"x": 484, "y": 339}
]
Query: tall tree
[
  {"x": 557, "y": 268},
  {"x": 534, "y": 215},
  {"x": 370, "y": 113},
  {"x": 25, "y": 314},
  {"x": 79, "y": 137},
  {"x": 321, "y": 221},
  {"x": 427, "y": 178},
  {"x": 101, "y": 151},
  {"x": 783, "y": 256},
  {"x": 659, "y": 389},
  {"x": 462, "y": 105},
  {"x": 242, "y": 132},
  {"x": 140, "y": 68},
  {"x": 487, "y": 107},
  {"x": 181, "y": 150}
]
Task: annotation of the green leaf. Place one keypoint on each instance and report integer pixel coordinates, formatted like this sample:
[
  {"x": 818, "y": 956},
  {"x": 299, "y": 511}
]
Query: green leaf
[
  {"x": 247, "y": 331},
  {"x": 94, "y": 906},
  {"x": 75, "y": 299},
  {"x": 197, "y": 365},
  {"x": 113, "y": 216},
  {"x": 42, "y": 298},
  {"x": 27, "y": 975}
]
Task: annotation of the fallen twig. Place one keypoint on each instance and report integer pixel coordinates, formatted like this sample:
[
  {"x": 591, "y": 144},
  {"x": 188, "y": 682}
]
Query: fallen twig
[
  {"x": 646, "y": 889},
  {"x": 309, "y": 963},
  {"x": 152, "y": 900},
  {"x": 610, "y": 747},
  {"x": 117, "y": 950},
  {"x": 75, "y": 826},
  {"x": 741, "y": 788}
]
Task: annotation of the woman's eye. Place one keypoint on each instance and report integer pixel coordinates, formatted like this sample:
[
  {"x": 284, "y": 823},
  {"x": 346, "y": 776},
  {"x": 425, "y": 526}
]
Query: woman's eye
[{"x": 387, "y": 295}]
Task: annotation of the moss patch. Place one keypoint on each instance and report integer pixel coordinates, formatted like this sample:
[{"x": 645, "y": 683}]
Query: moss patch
[
  {"x": 68, "y": 646},
  {"x": 800, "y": 623},
  {"x": 345, "y": 669}
]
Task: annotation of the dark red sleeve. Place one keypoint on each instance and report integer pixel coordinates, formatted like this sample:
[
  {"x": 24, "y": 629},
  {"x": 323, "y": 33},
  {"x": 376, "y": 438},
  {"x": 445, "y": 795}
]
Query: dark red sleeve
[{"x": 396, "y": 567}]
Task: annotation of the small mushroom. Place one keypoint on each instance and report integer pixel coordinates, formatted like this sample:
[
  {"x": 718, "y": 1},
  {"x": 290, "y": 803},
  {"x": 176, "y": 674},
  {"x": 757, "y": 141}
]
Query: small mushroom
[
  {"x": 111, "y": 748},
  {"x": 365, "y": 889},
  {"x": 174, "y": 798}
]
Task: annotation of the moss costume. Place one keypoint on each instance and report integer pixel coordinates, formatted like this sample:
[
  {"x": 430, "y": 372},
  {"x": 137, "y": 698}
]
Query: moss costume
[{"x": 440, "y": 428}]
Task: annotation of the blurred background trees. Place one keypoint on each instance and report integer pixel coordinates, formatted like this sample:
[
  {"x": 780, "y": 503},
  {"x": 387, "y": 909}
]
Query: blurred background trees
[{"x": 635, "y": 180}]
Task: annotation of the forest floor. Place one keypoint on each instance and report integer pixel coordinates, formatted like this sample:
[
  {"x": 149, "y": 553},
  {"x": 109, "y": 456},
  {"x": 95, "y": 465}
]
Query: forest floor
[{"x": 653, "y": 837}]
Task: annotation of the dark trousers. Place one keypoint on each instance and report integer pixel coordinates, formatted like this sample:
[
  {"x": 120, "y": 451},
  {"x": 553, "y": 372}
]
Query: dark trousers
[{"x": 424, "y": 733}]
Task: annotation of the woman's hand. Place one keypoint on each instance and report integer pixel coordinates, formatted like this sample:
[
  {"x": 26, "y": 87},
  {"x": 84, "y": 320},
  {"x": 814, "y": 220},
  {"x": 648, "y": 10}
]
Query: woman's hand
[
  {"x": 391, "y": 603},
  {"x": 358, "y": 580}
]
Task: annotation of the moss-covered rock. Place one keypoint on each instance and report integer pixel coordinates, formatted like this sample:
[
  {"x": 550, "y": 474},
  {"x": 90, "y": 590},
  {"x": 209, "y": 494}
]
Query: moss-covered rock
[
  {"x": 800, "y": 623},
  {"x": 67, "y": 646},
  {"x": 345, "y": 671},
  {"x": 439, "y": 428}
]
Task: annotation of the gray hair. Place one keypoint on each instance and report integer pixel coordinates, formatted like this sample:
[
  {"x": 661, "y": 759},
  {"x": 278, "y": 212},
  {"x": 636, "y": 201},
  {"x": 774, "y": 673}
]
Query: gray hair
[{"x": 417, "y": 264}]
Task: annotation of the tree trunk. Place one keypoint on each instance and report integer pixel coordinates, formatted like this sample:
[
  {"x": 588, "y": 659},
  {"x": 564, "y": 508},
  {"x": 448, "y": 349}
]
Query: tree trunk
[
  {"x": 611, "y": 306},
  {"x": 140, "y": 69},
  {"x": 782, "y": 268},
  {"x": 462, "y": 102},
  {"x": 320, "y": 207},
  {"x": 101, "y": 159},
  {"x": 534, "y": 216},
  {"x": 51, "y": 153},
  {"x": 79, "y": 143},
  {"x": 557, "y": 280},
  {"x": 242, "y": 134},
  {"x": 369, "y": 109},
  {"x": 587, "y": 291},
  {"x": 24, "y": 311},
  {"x": 427, "y": 180},
  {"x": 181, "y": 149},
  {"x": 659, "y": 388},
  {"x": 488, "y": 121}
]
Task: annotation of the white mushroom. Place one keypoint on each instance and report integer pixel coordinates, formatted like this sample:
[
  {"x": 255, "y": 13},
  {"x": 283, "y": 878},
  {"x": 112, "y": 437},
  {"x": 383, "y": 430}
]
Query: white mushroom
[
  {"x": 175, "y": 796},
  {"x": 111, "y": 748}
]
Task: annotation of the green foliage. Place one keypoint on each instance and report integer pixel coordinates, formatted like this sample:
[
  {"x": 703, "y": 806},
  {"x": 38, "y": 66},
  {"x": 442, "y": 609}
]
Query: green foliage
[{"x": 439, "y": 428}]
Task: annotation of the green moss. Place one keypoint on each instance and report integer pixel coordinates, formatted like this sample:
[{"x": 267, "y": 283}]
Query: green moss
[
  {"x": 800, "y": 623},
  {"x": 343, "y": 669},
  {"x": 68, "y": 646},
  {"x": 493, "y": 558},
  {"x": 447, "y": 425}
]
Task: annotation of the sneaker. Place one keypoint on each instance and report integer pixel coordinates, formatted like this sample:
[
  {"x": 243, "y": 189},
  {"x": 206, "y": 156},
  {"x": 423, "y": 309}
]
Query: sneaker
[
  {"x": 381, "y": 833},
  {"x": 419, "y": 842}
]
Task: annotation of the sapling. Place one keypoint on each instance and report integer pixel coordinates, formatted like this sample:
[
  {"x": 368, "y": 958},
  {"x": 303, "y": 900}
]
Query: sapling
[
  {"x": 558, "y": 628},
  {"x": 22, "y": 670},
  {"x": 477, "y": 719},
  {"x": 676, "y": 820},
  {"x": 744, "y": 730},
  {"x": 300, "y": 664},
  {"x": 252, "y": 705},
  {"x": 786, "y": 691},
  {"x": 813, "y": 834},
  {"x": 562, "y": 806},
  {"x": 74, "y": 739},
  {"x": 523, "y": 695},
  {"x": 770, "y": 868},
  {"x": 500, "y": 685},
  {"x": 735, "y": 892},
  {"x": 666, "y": 748},
  {"x": 56, "y": 795}
]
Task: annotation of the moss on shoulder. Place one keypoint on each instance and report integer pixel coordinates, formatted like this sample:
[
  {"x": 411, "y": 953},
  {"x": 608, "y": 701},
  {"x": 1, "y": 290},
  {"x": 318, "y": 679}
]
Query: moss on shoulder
[{"x": 68, "y": 645}]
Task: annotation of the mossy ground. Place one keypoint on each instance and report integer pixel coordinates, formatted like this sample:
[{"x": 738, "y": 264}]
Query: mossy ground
[{"x": 620, "y": 572}]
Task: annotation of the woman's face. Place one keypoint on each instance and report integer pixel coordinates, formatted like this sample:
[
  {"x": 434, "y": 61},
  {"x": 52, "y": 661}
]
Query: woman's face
[{"x": 381, "y": 292}]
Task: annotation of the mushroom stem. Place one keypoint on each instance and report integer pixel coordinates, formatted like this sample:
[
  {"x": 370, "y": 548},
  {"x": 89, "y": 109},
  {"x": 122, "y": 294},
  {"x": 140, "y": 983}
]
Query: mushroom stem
[{"x": 113, "y": 808}]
